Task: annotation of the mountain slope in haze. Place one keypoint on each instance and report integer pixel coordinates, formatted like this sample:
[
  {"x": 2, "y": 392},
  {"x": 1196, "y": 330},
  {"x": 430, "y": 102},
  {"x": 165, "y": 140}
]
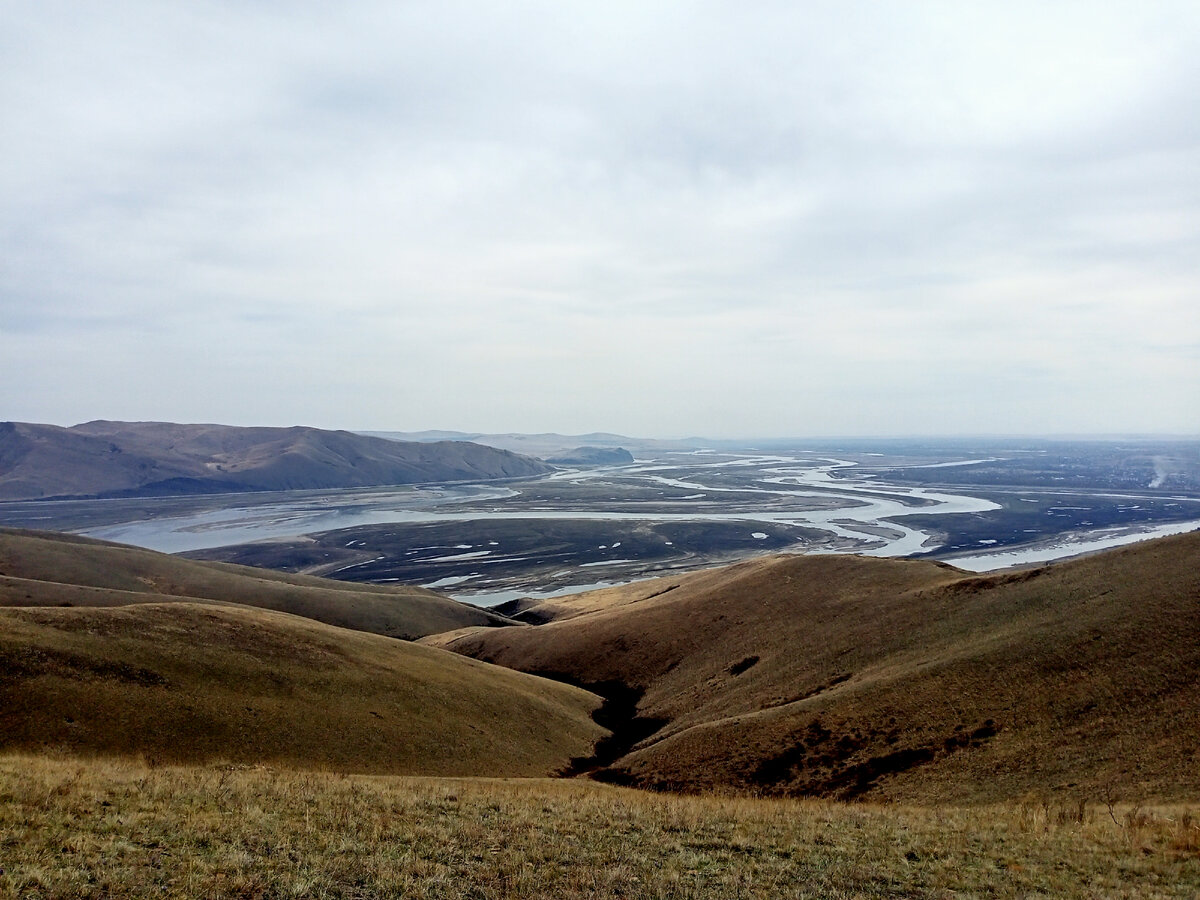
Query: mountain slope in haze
[
  {"x": 128, "y": 459},
  {"x": 899, "y": 679},
  {"x": 40, "y": 568},
  {"x": 182, "y": 682},
  {"x": 592, "y": 456},
  {"x": 550, "y": 444}
]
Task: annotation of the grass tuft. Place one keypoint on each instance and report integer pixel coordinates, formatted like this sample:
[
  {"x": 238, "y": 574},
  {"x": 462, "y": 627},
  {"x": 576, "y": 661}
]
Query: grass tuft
[{"x": 109, "y": 829}]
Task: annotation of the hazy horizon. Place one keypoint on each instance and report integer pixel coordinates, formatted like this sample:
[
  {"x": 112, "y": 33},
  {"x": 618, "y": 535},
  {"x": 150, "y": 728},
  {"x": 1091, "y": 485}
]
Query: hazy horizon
[
  {"x": 830, "y": 219},
  {"x": 746, "y": 439}
]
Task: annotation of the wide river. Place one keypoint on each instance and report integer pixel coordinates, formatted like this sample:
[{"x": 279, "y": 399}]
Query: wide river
[{"x": 858, "y": 510}]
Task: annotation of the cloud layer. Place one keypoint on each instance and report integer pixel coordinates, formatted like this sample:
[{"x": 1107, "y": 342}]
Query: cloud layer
[{"x": 662, "y": 219}]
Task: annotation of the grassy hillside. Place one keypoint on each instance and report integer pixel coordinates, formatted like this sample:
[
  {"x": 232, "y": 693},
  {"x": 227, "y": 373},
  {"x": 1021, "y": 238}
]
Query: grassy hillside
[
  {"x": 202, "y": 748},
  {"x": 124, "y": 830},
  {"x": 182, "y": 682},
  {"x": 52, "y": 569},
  {"x": 852, "y": 677},
  {"x": 140, "y": 459}
]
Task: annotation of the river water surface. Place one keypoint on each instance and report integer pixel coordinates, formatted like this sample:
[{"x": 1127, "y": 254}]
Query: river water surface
[{"x": 858, "y": 511}]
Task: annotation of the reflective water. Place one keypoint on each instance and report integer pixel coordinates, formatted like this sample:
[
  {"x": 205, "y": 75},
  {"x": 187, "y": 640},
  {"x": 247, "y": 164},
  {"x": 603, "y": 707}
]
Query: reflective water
[
  {"x": 1062, "y": 548},
  {"x": 788, "y": 485},
  {"x": 858, "y": 511}
]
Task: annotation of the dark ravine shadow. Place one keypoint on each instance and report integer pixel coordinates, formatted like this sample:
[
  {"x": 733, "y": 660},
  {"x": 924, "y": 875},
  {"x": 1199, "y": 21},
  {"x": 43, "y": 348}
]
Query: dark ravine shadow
[{"x": 619, "y": 714}]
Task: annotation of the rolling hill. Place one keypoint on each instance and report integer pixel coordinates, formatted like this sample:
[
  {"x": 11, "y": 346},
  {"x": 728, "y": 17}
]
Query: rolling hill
[
  {"x": 836, "y": 676},
  {"x": 188, "y": 683},
  {"x": 891, "y": 679},
  {"x": 140, "y": 459},
  {"x": 39, "y": 568}
]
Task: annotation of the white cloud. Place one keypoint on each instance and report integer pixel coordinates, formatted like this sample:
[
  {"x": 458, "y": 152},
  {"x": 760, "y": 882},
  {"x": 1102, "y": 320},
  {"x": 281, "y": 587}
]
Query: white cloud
[{"x": 666, "y": 218}]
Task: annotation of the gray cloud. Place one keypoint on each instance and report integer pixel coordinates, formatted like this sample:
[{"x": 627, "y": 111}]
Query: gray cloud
[{"x": 664, "y": 219}]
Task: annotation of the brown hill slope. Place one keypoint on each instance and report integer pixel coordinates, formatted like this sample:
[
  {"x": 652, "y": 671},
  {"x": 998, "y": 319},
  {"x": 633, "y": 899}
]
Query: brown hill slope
[
  {"x": 181, "y": 682},
  {"x": 41, "y": 568},
  {"x": 848, "y": 676},
  {"x": 109, "y": 459}
]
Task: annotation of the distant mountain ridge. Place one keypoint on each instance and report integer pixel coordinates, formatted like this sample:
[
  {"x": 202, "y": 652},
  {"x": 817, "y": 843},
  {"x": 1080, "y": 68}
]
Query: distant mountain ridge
[
  {"x": 552, "y": 444},
  {"x": 592, "y": 456},
  {"x": 131, "y": 459}
]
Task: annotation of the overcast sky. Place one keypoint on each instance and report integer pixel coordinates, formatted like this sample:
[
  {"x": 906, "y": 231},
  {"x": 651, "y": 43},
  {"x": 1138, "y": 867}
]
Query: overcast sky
[{"x": 661, "y": 219}]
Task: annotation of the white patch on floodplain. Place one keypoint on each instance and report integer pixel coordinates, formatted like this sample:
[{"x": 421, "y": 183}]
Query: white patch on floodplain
[
  {"x": 951, "y": 465},
  {"x": 356, "y": 565},
  {"x": 455, "y": 556},
  {"x": 443, "y": 582}
]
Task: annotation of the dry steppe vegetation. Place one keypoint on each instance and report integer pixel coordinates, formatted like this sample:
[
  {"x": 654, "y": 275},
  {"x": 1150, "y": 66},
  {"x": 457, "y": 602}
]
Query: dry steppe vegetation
[
  {"x": 182, "y": 682},
  {"x": 851, "y": 677},
  {"x": 45, "y": 568},
  {"x": 1029, "y": 734},
  {"x": 70, "y": 829}
]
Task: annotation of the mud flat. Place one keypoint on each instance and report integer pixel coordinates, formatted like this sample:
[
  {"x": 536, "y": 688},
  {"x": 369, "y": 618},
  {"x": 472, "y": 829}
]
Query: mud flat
[
  {"x": 677, "y": 510},
  {"x": 542, "y": 555}
]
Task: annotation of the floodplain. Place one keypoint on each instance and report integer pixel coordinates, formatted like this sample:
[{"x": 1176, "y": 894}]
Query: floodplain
[{"x": 980, "y": 505}]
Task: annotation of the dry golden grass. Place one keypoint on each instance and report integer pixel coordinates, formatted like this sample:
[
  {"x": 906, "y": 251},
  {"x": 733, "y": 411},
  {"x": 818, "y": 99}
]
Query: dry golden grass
[
  {"x": 40, "y": 568},
  {"x": 190, "y": 683},
  {"x": 70, "y": 829},
  {"x": 896, "y": 679}
]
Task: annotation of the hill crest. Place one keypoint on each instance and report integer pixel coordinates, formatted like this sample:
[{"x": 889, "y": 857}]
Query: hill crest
[
  {"x": 182, "y": 683},
  {"x": 52, "y": 569},
  {"x": 132, "y": 459},
  {"x": 892, "y": 679}
]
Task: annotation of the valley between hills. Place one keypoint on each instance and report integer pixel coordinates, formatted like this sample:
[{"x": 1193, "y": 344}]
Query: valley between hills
[
  {"x": 158, "y": 711},
  {"x": 787, "y": 725}
]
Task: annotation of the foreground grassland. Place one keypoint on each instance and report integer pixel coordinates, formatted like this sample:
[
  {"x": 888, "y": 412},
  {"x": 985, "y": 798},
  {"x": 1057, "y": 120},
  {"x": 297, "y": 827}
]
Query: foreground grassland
[{"x": 121, "y": 829}]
